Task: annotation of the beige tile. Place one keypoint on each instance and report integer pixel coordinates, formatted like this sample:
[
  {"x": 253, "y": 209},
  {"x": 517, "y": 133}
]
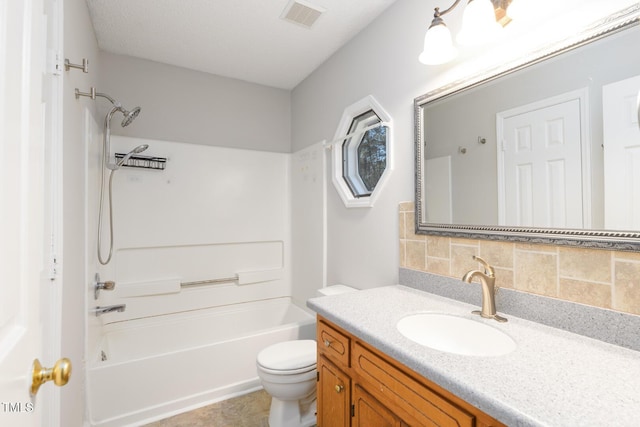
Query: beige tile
[
  {"x": 595, "y": 294},
  {"x": 572, "y": 274},
  {"x": 533, "y": 247},
  {"x": 402, "y": 225},
  {"x": 406, "y": 207},
  {"x": 498, "y": 254},
  {"x": 438, "y": 246},
  {"x": 627, "y": 287},
  {"x": 462, "y": 258},
  {"x": 536, "y": 272},
  {"x": 632, "y": 256},
  {"x": 438, "y": 266},
  {"x": 415, "y": 255},
  {"x": 461, "y": 241},
  {"x": 410, "y": 227},
  {"x": 585, "y": 264},
  {"x": 504, "y": 277}
]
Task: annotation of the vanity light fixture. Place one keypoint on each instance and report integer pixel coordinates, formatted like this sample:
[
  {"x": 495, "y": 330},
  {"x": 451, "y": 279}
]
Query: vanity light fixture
[{"x": 481, "y": 22}]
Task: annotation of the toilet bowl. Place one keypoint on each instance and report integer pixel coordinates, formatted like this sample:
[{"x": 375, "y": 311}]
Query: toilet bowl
[{"x": 287, "y": 371}]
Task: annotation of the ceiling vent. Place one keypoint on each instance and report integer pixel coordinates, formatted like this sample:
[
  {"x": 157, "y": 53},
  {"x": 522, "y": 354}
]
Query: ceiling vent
[{"x": 302, "y": 13}]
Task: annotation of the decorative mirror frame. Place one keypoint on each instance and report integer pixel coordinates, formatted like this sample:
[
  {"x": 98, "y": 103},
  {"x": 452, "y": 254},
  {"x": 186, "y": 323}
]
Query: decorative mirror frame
[{"x": 599, "y": 239}]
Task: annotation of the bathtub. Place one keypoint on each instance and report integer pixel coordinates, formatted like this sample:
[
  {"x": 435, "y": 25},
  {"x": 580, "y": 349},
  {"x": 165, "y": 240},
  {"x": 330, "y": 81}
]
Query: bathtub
[{"x": 151, "y": 368}]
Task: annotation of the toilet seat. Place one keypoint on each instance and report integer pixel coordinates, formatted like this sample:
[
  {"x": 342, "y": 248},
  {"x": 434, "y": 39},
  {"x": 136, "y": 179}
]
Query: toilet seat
[
  {"x": 288, "y": 357},
  {"x": 285, "y": 372}
]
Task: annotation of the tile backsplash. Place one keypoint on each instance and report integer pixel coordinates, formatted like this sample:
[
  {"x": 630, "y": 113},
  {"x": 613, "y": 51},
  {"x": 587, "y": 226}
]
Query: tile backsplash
[{"x": 596, "y": 277}]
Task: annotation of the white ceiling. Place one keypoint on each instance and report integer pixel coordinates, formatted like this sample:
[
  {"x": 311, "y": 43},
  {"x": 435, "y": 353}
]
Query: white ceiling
[{"x": 242, "y": 39}]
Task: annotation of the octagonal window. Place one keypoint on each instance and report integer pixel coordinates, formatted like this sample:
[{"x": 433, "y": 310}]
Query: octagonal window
[{"x": 362, "y": 153}]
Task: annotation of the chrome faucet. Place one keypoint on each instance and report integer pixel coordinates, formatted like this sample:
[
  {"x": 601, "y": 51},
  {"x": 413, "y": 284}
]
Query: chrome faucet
[
  {"x": 109, "y": 309},
  {"x": 488, "y": 282}
]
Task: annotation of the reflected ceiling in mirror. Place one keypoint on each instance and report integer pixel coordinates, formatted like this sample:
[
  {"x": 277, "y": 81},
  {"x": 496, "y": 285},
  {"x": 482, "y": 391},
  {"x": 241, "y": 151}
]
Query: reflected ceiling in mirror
[{"x": 538, "y": 151}]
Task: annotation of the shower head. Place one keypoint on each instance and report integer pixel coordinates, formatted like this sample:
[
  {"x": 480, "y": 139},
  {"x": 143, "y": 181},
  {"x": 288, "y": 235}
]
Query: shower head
[
  {"x": 140, "y": 148},
  {"x": 129, "y": 116},
  {"x": 137, "y": 150}
]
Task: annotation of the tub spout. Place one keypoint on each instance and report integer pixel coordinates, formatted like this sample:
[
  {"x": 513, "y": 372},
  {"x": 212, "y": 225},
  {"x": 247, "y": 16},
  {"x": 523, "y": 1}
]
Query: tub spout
[{"x": 109, "y": 309}]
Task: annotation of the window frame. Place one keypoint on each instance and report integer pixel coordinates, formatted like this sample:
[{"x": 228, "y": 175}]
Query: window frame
[{"x": 339, "y": 160}]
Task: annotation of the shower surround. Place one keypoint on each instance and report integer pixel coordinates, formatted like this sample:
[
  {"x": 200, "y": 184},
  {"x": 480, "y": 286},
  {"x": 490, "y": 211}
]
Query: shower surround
[{"x": 215, "y": 215}]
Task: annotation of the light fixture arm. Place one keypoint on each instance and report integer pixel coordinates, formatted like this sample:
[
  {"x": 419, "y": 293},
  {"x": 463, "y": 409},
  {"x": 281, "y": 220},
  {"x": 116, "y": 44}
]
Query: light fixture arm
[{"x": 439, "y": 14}]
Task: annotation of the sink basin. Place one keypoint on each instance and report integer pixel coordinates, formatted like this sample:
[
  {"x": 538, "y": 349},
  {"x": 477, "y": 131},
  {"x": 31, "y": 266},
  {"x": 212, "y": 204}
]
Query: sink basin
[{"x": 455, "y": 334}]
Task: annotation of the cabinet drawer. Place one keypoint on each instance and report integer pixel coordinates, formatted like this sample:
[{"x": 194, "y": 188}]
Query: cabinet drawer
[
  {"x": 332, "y": 343},
  {"x": 412, "y": 400}
]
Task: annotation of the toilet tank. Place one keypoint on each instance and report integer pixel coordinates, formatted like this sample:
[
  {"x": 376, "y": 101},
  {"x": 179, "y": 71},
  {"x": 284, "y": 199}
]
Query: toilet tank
[{"x": 335, "y": 290}]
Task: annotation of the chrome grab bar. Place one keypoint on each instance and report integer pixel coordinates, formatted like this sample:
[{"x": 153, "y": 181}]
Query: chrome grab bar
[{"x": 209, "y": 282}]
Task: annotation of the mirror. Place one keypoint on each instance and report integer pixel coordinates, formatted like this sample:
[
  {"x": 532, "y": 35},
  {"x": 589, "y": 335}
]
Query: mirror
[{"x": 518, "y": 152}]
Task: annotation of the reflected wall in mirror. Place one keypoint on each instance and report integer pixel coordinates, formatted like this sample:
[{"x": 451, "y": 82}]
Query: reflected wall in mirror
[{"x": 546, "y": 151}]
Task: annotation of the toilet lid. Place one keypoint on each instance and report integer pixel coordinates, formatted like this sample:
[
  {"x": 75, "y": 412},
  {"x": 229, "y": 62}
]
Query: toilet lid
[{"x": 288, "y": 355}]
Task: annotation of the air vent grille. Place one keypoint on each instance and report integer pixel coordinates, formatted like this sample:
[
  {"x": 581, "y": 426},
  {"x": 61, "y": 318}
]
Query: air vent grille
[{"x": 302, "y": 13}]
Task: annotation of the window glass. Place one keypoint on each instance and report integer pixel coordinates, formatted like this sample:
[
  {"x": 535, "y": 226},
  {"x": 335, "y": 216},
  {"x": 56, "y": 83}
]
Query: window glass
[{"x": 364, "y": 154}]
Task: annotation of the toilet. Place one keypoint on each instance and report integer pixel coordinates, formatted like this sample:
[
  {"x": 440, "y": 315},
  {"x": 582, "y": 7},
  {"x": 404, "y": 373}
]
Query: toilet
[{"x": 287, "y": 371}]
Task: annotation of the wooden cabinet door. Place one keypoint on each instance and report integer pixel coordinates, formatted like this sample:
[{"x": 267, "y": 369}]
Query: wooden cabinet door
[
  {"x": 368, "y": 412},
  {"x": 334, "y": 396}
]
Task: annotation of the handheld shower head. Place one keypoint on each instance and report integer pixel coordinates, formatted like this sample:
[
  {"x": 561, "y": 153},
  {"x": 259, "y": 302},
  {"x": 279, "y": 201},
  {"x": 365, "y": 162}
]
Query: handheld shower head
[
  {"x": 137, "y": 150},
  {"x": 129, "y": 116},
  {"x": 140, "y": 148}
]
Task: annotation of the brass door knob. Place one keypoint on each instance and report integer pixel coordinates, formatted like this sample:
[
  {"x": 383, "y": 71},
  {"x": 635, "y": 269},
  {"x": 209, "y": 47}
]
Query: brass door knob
[
  {"x": 59, "y": 374},
  {"x": 339, "y": 388}
]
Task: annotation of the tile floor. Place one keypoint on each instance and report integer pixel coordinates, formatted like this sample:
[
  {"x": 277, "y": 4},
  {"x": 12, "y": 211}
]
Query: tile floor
[{"x": 250, "y": 410}]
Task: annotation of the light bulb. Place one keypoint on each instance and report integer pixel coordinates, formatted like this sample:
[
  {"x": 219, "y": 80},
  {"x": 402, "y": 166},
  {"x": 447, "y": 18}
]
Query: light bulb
[
  {"x": 478, "y": 23},
  {"x": 438, "y": 45}
]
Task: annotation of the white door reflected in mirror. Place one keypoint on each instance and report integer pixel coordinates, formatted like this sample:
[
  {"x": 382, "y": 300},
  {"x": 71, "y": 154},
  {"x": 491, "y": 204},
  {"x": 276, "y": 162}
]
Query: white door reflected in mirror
[{"x": 621, "y": 141}]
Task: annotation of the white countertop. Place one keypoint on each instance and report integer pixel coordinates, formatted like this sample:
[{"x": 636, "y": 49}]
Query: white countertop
[{"x": 553, "y": 377}]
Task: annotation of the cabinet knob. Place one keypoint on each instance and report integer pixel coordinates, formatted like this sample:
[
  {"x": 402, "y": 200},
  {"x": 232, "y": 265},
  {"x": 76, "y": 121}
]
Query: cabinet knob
[
  {"x": 339, "y": 388},
  {"x": 327, "y": 343}
]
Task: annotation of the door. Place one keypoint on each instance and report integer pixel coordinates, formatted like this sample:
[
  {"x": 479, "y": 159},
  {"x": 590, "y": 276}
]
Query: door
[
  {"x": 27, "y": 219},
  {"x": 369, "y": 412},
  {"x": 540, "y": 176},
  {"x": 334, "y": 396},
  {"x": 438, "y": 192},
  {"x": 621, "y": 131}
]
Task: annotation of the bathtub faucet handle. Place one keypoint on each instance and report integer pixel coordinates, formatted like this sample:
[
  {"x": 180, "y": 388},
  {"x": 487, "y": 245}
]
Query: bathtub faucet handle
[{"x": 108, "y": 285}]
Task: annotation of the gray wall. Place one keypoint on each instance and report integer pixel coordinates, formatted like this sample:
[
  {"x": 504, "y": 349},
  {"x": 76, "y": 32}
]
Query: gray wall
[
  {"x": 190, "y": 106},
  {"x": 382, "y": 60},
  {"x": 362, "y": 243}
]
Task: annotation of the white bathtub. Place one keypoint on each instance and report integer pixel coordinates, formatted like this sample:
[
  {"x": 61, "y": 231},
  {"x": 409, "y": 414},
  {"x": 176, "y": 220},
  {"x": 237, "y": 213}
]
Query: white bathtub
[{"x": 156, "y": 367}]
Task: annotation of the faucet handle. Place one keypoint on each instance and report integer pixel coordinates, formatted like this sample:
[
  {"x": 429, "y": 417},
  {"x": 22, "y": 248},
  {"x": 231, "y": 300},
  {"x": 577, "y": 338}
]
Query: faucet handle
[
  {"x": 107, "y": 285},
  {"x": 487, "y": 267}
]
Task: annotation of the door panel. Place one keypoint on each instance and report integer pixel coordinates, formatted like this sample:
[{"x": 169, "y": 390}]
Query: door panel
[
  {"x": 541, "y": 173},
  {"x": 25, "y": 214},
  {"x": 371, "y": 413},
  {"x": 621, "y": 154},
  {"x": 334, "y": 394}
]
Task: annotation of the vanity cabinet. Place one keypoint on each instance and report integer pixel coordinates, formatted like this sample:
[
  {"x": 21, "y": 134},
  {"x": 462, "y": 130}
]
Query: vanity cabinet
[
  {"x": 368, "y": 412},
  {"x": 334, "y": 385},
  {"x": 362, "y": 387},
  {"x": 334, "y": 392}
]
